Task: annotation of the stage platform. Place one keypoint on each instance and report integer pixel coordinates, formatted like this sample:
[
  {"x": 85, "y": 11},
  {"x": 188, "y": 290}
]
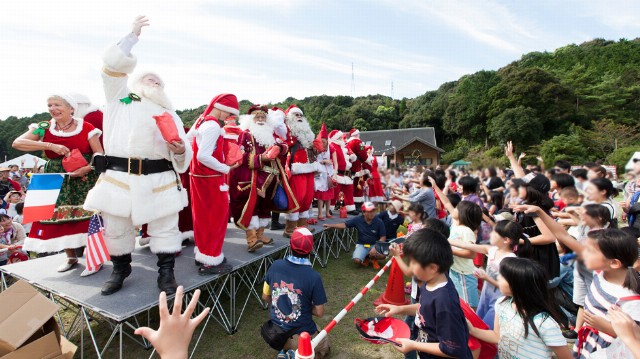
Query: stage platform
[{"x": 227, "y": 294}]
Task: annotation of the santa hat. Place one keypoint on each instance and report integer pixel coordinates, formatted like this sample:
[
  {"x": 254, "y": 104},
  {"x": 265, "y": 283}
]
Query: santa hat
[
  {"x": 335, "y": 135},
  {"x": 323, "y": 132},
  {"x": 354, "y": 132},
  {"x": 226, "y": 102},
  {"x": 293, "y": 109},
  {"x": 80, "y": 98},
  {"x": 69, "y": 99},
  {"x": 257, "y": 108}
]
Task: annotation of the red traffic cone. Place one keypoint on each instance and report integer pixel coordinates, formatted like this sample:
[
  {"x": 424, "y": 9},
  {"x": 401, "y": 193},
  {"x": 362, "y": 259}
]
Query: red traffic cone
[
  {"x": 394, "y": 293},
  {"x": 305, "y": 350}
]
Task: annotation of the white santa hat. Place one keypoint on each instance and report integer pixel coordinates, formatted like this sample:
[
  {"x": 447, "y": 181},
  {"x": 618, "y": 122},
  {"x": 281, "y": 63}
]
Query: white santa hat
[
  {"x": 68, "y": 98},
  {"x": 80, "y": 98}
]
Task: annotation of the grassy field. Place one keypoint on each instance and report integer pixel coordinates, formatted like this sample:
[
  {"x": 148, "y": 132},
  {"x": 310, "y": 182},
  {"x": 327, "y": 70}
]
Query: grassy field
[{"x": 342, "y": 281}]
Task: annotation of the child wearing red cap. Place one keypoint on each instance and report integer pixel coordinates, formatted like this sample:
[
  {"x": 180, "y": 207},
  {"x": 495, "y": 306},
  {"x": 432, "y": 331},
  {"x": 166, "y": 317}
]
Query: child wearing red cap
[{"x": 296, "y": 293}]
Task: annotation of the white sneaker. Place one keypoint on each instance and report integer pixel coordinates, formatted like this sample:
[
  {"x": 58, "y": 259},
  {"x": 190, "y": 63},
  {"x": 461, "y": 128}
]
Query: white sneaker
[
  {"x": 70, "y": 263},
  {"x": 86, "y": 272}
]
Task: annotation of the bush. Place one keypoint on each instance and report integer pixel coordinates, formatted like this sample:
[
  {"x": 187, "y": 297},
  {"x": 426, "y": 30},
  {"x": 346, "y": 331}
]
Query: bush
[{"x": 621, "y": 156}]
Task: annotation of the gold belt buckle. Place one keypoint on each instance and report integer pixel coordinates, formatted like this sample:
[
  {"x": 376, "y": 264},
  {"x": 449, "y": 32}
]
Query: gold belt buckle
[{"x": 139, "y": 166}]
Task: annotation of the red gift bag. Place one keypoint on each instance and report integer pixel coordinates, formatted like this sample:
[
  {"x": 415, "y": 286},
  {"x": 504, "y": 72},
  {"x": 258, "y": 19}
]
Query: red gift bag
[
  {"x": 232, "y": 153},
  {"x": 167, "y": 127},
  {"x": 74, "y": 161}
]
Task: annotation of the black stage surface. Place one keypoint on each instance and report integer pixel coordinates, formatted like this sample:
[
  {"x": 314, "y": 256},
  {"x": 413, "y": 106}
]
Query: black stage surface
[
  {"x": 227, "y": 295},
  {"x": 140, "y": 290}
]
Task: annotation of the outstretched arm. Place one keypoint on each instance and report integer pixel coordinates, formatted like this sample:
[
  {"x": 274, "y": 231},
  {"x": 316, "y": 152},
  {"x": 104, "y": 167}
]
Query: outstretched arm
[
  {"x": 118, "y": 62},
  {"x": 515, "y": 166}
]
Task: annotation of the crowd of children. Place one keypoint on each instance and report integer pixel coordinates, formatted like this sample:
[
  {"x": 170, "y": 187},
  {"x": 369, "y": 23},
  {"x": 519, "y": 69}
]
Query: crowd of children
[{"x": 544, "y": 257}]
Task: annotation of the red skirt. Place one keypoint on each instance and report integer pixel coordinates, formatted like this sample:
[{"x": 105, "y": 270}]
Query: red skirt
[{"x": 324, "y": 195}]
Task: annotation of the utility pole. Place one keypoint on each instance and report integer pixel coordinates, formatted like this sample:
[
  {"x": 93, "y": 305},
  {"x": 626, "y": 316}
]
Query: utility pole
[
  {"x": 392, "y": 90},
  {"x": 353, "y": 82}
]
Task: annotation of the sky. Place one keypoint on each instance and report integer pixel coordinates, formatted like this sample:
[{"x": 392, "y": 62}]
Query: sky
[{"x": 268, "y": 50}]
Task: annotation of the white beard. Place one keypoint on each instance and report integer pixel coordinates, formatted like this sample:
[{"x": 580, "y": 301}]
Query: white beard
[
  {"x": 263, "y": 134},
  {"x": 302, "y": 131},
  {"x": 154, "y": 94}
]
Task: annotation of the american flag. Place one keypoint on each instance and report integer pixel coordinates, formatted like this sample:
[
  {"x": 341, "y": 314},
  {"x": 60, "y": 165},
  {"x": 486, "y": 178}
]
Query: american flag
[{"x": 97, "y": 252}]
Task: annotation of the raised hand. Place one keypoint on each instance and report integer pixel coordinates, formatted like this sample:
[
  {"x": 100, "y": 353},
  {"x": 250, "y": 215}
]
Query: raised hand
[
  {"x": 140, "y": 22},
  {"x": 508, "y": 149}
]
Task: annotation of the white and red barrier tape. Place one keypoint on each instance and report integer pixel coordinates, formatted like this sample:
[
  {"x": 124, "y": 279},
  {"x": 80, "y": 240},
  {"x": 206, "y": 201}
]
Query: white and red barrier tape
[{"x": 348, "y": 307}]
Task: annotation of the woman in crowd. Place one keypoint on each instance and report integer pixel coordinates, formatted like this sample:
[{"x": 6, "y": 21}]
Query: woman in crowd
[{"x": 67, "y": 228}]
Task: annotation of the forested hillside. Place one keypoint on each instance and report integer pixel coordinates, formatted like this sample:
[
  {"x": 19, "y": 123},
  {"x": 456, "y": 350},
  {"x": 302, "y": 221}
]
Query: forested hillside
[{"x": 580, "y": 102}]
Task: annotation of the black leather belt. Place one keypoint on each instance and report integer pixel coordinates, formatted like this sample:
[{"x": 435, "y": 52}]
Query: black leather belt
[
  {"x": 138, "y": 166},
  {"x": 344, "y": 173}
]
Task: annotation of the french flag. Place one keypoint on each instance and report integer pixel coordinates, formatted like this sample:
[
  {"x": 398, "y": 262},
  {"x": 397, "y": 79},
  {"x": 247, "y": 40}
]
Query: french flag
[{"x": 42, "y": 195}]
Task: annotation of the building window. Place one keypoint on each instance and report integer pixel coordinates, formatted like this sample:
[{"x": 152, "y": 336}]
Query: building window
[{"x": 387, "y": 143}]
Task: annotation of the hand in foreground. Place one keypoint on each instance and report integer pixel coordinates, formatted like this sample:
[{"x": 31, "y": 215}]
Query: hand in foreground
[
  {"x": 388, "y": 309},
  {"x": 623, "y": 324},
  {"x": 525, "y": 208},
  {"x": 176, "y": 147},
  {"x": 172, "y": 339},
  {"x": 407, "y": 345},
  {"x": 140, "y": 22},
  {"x": 272, "y": 152}
]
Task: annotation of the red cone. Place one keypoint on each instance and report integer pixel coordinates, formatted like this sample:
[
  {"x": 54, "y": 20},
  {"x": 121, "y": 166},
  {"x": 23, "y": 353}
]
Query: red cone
[
  {"x": 394, "y": 293},
  {"x": 305, "y": 350}
]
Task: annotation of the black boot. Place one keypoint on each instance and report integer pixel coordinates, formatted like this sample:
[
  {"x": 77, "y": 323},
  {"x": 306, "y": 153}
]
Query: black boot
[
  {"x": 275, "y": 222},
  {"x": 121, "y": 270},
  {"x": 166, "y": 280}
]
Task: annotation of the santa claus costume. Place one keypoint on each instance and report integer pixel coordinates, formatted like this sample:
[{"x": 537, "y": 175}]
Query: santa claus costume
[
  {"x": 209, "y": 186},
  {"x": 342, "y": 173},
  {"x": 358, "y": 171},
  {"x": 323, "y": 181},
  {"x": 88, "y": 111},
  {"x": 253, "y": 185},
  {"x": 376, "y": 193},
  {"x": 302, "y": 165},
  {"x": 141, "y": 183}
]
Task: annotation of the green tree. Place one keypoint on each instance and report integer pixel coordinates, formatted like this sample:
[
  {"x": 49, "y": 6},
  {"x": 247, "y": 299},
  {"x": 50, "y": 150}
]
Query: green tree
[
  {"x": 564, "y": 147},
  {"x": 520, "y": 125}
]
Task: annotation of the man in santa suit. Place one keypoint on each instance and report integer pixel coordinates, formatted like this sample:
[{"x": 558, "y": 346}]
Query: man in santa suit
[
  {"x": 358, "y": 171},
  {"x": 209, "y": 186},
  {"x": 139, "y": 182},
  {"x": 302, "y": 165},
  {"x": 88, "y": 111},
  {"x": 276, "y": 116},
  {"x": 253, "y": 184},
  {"x": 342, "y": 169}
]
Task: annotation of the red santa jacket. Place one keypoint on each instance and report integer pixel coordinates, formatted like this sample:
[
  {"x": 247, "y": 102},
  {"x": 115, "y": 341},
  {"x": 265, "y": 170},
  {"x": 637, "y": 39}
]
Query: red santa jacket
[
  {"x": 95, "y": 118},
  {"x": 356, "y": 146},
  {"x": 344, "y": 165},
  {"x": 300, "y": 161}
]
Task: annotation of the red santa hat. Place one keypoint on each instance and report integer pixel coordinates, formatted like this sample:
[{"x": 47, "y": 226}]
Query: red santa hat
[
  {"x": 335, "y": 135},
  {"x": 323, "y": 132},
  {"x": 293, "y": 109},
  {"x": 354, "y": 132},
  {"x": 226, "y": 102},
  {"x": 257, "y": 108}
]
